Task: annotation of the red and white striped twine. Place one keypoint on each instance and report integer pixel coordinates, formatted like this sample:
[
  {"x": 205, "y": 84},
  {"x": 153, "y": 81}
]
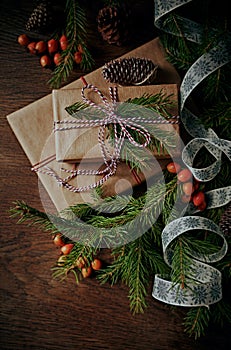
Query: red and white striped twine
[{"x": 110, "y": 159}]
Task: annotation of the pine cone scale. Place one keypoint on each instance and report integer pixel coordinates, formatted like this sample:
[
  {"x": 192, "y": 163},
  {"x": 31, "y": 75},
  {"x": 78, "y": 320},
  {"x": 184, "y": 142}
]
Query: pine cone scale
[
  {"x": 130, "y": 71},
  {"x": 112, "y": 24}
]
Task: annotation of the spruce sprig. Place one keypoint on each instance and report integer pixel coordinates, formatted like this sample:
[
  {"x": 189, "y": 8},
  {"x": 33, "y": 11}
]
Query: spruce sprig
[
  {"x": 76, "y": 32},
  {"x": 32, "y": 216},
  {"x": 134, "y": 264},
  {"x": 197, "y": 321},
  {"x": 70, "y": 262}
]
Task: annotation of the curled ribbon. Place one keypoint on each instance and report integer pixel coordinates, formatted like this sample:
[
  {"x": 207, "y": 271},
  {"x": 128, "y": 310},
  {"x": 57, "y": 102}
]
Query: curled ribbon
[
  {"x": 204, "y": 282},
  {"x": 204, "y": 287},
  {"x": 111, "y": 159}
]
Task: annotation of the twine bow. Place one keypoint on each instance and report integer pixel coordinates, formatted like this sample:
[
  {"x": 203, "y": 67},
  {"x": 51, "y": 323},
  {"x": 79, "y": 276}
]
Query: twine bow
[{"x": 110, "y": 158}]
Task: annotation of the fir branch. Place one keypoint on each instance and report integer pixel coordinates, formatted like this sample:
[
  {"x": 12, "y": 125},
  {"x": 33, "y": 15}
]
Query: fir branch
[
  {"x": 136, "y": 157},
  {"x": 181, "y": 263},
  {"x": 150, "y": 205},
  {"x": 180, "y": 52},
  {"x": 159, "y": 103},
  {"x": 221, "y": 313},
  {"x": 73, "y": 229},
  {"x": 70, "y": 261},
  {"x": 218, "y": 117},
  {"x": 76, "y": 107},
  {"x": 134, "y": 264},
  {"x": 137, "y": 278},
  {"x": 75, "y": 31},
  {"x": 93, "y": 227},
  {"x": 196, "y": 321},
  {"x": 31, "y": 215}
]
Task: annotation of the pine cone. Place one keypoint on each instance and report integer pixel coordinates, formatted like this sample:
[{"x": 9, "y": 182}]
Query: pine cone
[
  {"x": 40, "y": 18},
  {"x": 113, "y": 22},
  {"x": 225, "y": 222},
  {"x": 130, "y": 71}
]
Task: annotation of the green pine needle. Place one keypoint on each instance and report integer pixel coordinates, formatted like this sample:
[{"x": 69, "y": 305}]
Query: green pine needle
[
  {"x": 76, "y": 32},
  {"x": 197, "y": 320}
]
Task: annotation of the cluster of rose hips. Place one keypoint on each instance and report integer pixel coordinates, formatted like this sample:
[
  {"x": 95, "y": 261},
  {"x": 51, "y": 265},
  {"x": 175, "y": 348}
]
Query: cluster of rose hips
[
  {"x": 81, "y": 263},
  {"x": 49, "y": 51},
  {"x": 190, "y": 186}
]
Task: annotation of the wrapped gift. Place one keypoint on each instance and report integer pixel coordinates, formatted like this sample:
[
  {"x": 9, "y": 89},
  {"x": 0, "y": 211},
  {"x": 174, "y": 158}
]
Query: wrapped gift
[
  {"x": 33, "y": 127},
  {"x": 73, "y": 145}
]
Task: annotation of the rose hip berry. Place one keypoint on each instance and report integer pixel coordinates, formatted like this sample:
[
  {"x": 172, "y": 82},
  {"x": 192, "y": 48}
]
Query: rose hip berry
[
  {"x": 45, "y": 61},
  {"x": 202, "y": 206},
  {"x": 188, "y": 188},
  {"x": 66, "y": 249},
  {"x": 63, "y": 42},
  {"x": 31, "y": 47},
  {"x": 40, "y": 47},
  {"x": 57, "y": 58},
  {"x": 86, "y": 271},
  {"x": 80, "y": 262},
  {"x": 53, "y": 45},
  {"x": 184, "y": 175},
  {"x": 198, "y": 198},
  {"x": 23, "y": 40},
  {"x": 78, "y": 57},
  {"x": 58, "y": 241},
  {"x": 96, "y": 264},
  {"x": 173, "y": 167}
]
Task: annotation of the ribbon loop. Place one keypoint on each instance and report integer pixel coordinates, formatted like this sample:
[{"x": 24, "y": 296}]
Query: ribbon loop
[{"x": 205, "y": 289}]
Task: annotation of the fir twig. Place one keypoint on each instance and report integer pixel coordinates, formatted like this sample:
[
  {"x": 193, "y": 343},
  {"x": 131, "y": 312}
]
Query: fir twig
[
  {"x": 75, "y": 31},
  {"x": 69, "y": 264},
  {"x": 181, "y": 263},
  {"x": 32, "y": 216},
  {"x": 197, "y": 321},
  {"x": 134, "y": 264}
]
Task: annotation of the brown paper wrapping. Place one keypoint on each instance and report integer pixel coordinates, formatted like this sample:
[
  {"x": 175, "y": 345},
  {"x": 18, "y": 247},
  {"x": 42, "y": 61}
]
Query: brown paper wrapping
[
  {"x": 33, "y": 125},
  {"x": 78, "y": 144}
]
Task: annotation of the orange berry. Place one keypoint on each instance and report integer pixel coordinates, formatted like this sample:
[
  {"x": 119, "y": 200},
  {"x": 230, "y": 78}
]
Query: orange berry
[
  {"x": 61, "y": 260},
  {"x": 57, "y": 58},
  {"x": 66, "y": 249},
  {"x": 23, "y": 40},
  {"x": 31, "y": 47},
  {"x": 63, "y": 42},
  {"x": 53, "y": 45},
  {"x": 58, "y": 241},
  {"x": 80, "y": 262},
  {"x": 78, "y": 57},
  {"x": 184, "y": 175},
  {"x": 45, "y": 61},
  {"x": 86, "y": 271},
  {"x": 198, "y": 198},
  {"x": 202, "y": 206},
  {"x": 96, "y": 264},
  {"x": 188, "y": 188},
  {"x": 173, "y": 167},
  {"x": 40, "y": 46}
]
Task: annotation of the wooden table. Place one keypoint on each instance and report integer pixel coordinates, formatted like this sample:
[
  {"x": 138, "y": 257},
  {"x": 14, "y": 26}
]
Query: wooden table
[{"x": 38, "y": 312}]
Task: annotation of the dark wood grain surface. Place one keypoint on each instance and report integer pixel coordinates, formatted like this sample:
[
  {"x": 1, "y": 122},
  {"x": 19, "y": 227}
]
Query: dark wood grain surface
[{"x": 38, "y": 312}]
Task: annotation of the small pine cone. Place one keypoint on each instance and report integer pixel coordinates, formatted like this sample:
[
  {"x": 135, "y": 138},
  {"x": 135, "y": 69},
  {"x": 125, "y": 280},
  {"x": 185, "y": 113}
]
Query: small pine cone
[
  {"x": 113, "y": 23},
  {"x": 225, "y": 222},
  {"x": 40, "y": 18},
  {"x": 130, "y": 71}
]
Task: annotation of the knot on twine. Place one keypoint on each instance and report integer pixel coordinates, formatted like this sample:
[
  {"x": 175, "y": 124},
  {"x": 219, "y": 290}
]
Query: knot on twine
[{"x": 122, "y": 126}]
